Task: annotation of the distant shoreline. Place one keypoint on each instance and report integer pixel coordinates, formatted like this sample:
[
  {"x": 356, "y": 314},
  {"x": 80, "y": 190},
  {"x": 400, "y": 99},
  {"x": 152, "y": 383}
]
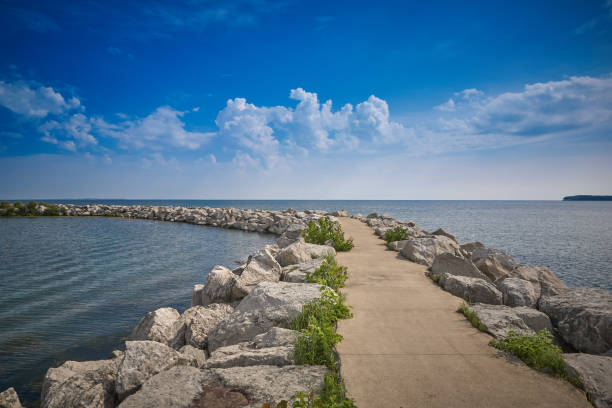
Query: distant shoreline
[{"x": 588, "y": 198}]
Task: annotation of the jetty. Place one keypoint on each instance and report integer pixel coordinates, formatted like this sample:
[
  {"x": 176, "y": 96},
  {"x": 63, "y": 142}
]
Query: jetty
[{"x": 406, "y": 345}]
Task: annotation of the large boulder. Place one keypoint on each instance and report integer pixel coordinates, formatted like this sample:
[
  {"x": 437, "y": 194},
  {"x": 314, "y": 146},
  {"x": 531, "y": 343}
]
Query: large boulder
[
  {"x": 583, "y": 318},
  {"x": 194, "y": 354},
  {"x": 300, "y": 252},
  {"x": 245, "y": 354},
  {"x": 268, "y": 305},
  {"x": 195, "y": 323},
  {"x": 142, "y": 360},
  {"x": 518, "y": 292},
  {"x": 471, "y": 289},
  {"x": 500, "y": 320},
  {"x": 176, "y": 387},
  {"x": 260, "y": 267},
  {"x": 492, "y": 262},
  {"x": 424, "y": 250},
  {"x": 255, "y": 386},
  {"x": 275, "y": 337},
  {"x": 455, "y": 265},
  {"x": 9, "y": 399},
  {"x": 544, "y": 281},
  {"x": 443, "y": 233},
  {"x": 297, "y": 273},
  {"x": 397, "y": 245},
  {"x": 156, "y": 326},
  {"x": 595, "y": 372},
  {"x": 291, "y": 234},
  {"x": 469, "y": 247},
  {"x": 219, "y": 286},
  {"x": 196, "y": 296},
  {"x": 83, "y": 384}
]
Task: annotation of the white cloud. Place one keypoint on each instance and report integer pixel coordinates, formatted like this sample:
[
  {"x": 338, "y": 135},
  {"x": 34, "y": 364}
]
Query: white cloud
[
  {"x": 270, "y": 133},
  {"x": 35, "y": 101},
  {"x": 78, "y": 127},
  {"x": 163, "y": 127}
]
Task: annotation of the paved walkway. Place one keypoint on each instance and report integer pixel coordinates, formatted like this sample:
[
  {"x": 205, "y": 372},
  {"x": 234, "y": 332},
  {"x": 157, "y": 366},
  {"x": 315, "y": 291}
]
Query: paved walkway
[{"x": 407, "y": 347}]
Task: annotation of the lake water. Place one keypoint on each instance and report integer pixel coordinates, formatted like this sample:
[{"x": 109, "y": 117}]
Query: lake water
[{"x": 73, "y": 288}]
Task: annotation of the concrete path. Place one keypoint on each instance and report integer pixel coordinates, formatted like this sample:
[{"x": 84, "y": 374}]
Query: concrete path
[{"x": 407, "y": 347}]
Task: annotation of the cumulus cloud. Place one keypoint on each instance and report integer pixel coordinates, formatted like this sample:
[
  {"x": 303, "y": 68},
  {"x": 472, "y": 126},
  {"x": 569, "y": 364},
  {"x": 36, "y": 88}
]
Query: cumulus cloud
[
  {"x": 547, "y": 108},
  {"x": 33, "y": 100},
  {"x": 78, "y": 128},
  {"x": 270, "y": 132},
  {"x": 161, "y": 128}
]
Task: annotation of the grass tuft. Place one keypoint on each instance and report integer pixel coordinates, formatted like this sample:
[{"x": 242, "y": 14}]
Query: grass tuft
[
  {"x": 471, "y": 316},
  {"x": 537, "y": 351},
  {"x": 325, "y": 230},
  {"x": 396, "y": 234}
]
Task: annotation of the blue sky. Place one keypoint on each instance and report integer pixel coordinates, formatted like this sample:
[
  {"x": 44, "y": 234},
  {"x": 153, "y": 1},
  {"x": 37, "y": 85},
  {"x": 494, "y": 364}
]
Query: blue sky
[{"x": 290, "y": 99}]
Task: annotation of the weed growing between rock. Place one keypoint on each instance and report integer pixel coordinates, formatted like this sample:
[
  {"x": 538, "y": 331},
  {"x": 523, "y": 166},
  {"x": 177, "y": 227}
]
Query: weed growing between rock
[
  {"x": 315, "y": 344},
  {"x": 471, "y": 316},
  {"x": 396, "y": 234},
  {"x": 325, "y": 231},
  {"x": 537, "y": 351},
  {"x": 329, "y": 274}
]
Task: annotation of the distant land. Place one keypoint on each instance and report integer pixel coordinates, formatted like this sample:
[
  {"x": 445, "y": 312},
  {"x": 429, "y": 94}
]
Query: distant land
[{"x": 587, "y": 198}]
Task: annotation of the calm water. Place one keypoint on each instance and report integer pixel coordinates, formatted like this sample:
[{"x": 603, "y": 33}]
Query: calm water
[{"x": 72, "y": 288}]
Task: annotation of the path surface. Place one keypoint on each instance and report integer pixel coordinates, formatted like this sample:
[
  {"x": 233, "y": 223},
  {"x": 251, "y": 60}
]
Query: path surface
[{"x": 407, "y": 347}]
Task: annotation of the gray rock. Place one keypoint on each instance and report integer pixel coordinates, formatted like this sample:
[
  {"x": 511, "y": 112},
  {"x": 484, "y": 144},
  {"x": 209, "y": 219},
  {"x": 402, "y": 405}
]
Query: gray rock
[
  {"x": 500, "y": 320},
  {"x": 469, "y": 247},
  {"x": 196, "y": 297},
  {"x": 245, "y": 354},
  {"x": 271, "y": 385},
  {"x": 219, "y": 286},
  {"x": 596, "y": 375},
  {"x": 297, "y": 273},
  {"x": 268, "y": 305},
  {"x": 156, "y": 326},
  {"x": 424, "y": 250},
  {"x": 583, "y": 318},
  {"x": 9, "y": 399},
  {"x": 471, "y": 289},
  {"x": 275, "y": 337},
  {"x": 291, "y": 234},
  {"x": 341, "y": 213},
  {"x": 81, "y": 384},
  {"x": 187, "y": 387},
  {"x": 397, "y": 245},
  {"x": 443, "y": 233},
  {"x": 534, "y": 319},
  {"x": 544, "y": 281},
  {"x": 518, "y": 292},
  {"x": 202, "y": 320},
  {"x": 142, "y": 360},
  {"x": 176, "y": 387},
  {"x": 455, "y": 265},
  {"x": 261, "y": 267},
  {"x": 300, "y": 252},
  {"x": 194, "y": 354},
  {"x": 492, "y": 262}
]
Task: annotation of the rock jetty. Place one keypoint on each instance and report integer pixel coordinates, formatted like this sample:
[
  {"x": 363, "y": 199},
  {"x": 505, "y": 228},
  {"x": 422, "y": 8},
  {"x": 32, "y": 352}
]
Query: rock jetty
[
  {"x": 233, "y": 346},
  {"x": 507, "y": 296}
]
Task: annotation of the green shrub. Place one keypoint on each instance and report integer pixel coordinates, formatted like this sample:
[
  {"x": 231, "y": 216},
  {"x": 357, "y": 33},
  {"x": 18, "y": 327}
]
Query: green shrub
[
  {"x": 315, "y": 344},
  {"x": 435, "y": 278},
  {"x": 536, "y": 350},
  {"x": 325, "y": 230},
  {"x": 329, "y": 274},
  {"x": 472, "y": 318},
  {"x": 331, "y": 396},
  {"x": 323, "y": 311},
  {"x": 396, "y": 234},
  {"x": 52, "y": 210}
]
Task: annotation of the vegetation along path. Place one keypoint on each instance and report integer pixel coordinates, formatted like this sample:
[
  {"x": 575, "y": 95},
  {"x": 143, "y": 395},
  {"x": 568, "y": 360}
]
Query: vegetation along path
[{"x": 407, "y": 347}]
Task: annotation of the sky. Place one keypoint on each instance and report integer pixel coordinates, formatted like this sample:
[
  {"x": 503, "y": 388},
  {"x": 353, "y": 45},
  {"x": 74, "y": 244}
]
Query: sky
[{"x": 259, "y": 99}]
